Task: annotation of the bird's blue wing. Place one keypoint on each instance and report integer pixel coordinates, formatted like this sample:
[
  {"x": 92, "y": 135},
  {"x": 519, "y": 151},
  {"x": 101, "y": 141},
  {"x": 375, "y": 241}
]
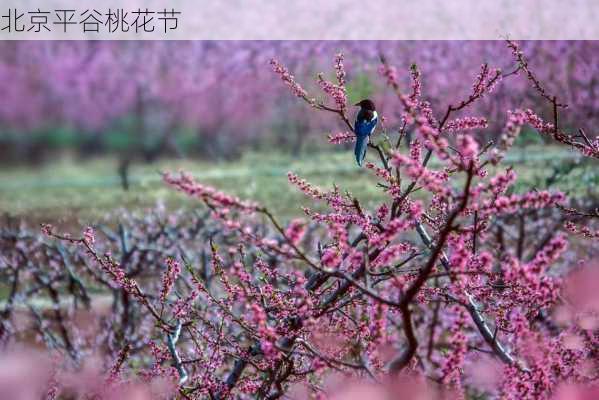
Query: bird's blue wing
[{"x": 363, "y": 129}]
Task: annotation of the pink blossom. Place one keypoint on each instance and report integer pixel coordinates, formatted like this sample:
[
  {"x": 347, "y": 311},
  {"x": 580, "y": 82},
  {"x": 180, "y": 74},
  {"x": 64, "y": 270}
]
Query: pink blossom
[
  {"x": 342, "y": 138},
  {"x": 295, "y": 231},
  {"x": 466, "y": 123},
  {"x": 89, "y": 236},
  {"x": 289, "y": 79},
  {"x": 331, "y": 258},
  {"x": 169, "y": 277}
]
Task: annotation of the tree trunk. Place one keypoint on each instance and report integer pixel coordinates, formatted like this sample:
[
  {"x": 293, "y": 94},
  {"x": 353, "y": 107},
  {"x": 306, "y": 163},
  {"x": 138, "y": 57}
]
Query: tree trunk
[{"x": 123, "y": 170}]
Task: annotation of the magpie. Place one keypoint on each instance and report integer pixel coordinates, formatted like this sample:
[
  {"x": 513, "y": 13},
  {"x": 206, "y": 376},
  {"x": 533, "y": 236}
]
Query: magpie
[{"x": 365, "y": 124}]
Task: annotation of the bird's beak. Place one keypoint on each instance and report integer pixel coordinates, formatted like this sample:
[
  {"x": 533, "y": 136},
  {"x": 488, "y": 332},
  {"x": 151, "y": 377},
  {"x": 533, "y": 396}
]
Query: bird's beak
[{"x": 357, "y": 104}]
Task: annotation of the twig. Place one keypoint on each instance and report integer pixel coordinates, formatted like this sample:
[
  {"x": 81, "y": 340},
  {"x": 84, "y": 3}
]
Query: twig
[{"x": 171, "y": 341}]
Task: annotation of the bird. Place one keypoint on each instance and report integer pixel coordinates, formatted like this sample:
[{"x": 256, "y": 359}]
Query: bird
[{"x": 365, "y": 124}]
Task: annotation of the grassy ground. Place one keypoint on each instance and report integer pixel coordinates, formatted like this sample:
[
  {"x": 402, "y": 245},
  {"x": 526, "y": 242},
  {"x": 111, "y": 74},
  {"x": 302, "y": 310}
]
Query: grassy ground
[{"x": 83, "y": 192}]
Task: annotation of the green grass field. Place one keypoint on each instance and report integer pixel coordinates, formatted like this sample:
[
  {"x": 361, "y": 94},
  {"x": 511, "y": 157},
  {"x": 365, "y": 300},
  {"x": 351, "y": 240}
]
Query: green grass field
[{"x": 70, "y": 191}]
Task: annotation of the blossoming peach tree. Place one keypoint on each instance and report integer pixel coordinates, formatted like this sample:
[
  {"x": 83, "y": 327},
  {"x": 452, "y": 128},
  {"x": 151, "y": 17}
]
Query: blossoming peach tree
[{"x": 453, "y": 286}]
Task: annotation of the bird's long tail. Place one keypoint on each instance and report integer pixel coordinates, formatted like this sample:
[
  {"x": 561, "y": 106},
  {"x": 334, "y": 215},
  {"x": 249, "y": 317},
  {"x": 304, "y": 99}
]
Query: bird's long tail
[{"x": 360, "y": 149}]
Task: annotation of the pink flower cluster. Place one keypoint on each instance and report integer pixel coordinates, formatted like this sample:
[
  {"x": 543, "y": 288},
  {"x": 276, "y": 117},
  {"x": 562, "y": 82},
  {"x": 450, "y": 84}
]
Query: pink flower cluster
[
  {"x": 434, "y": 181},
  {"x": 305, "y": 186},
  {"x": 466, "y": 123},
  {"x": 581, "y": 230},
  {"x": 390, "y": 74},
  {"x": 185, "y": 183},
  {"x": 289, "y": 79},
  {"x": 295, "y": 231},
  {"x": 337, "y": 93},
  {"x": 485, "y": 81},
  {"x": 169, "y": 277},
  {"x": 501, "y": 182},
  {"x": 515, "y": 202},
  {"x": 340, "y": 70},
  {"x": 342, "y": 138},
  {"x": 416, "y": 83},
  {"x": 331, "y": 258},
  {"x": 511, "y": 131}
]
